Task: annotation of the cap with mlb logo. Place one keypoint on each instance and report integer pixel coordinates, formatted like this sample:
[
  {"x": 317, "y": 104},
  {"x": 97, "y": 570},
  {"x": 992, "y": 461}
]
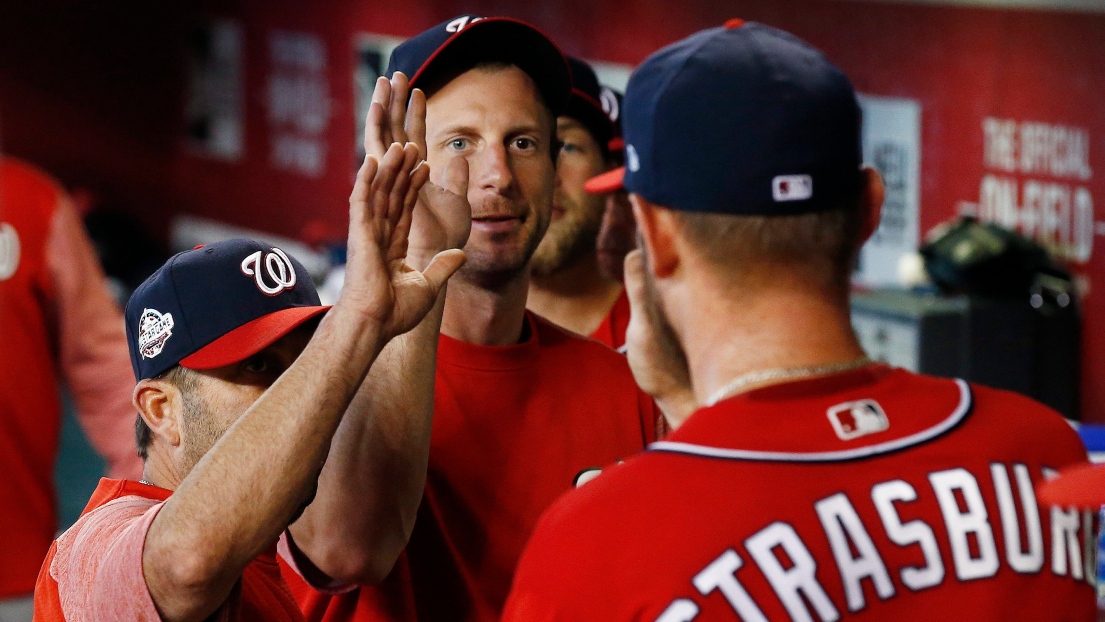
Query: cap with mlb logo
[
  {"x": 216, "y": 305},
  {"x": 743, "y": 119}
]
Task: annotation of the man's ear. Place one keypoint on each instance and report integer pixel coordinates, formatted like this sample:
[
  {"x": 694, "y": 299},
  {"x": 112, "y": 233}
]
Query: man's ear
[
  {"x": 872, "y": 198},
  {"x": 656, "y": 229},
  {"x": 160, "y": 405}
]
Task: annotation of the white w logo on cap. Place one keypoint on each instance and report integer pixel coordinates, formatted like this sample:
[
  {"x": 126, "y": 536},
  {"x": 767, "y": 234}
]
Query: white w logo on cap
[{"x": 278, "y": 268}]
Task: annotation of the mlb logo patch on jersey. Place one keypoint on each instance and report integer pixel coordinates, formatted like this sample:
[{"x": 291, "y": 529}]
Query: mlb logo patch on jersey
[{"x": 855, "y": 419}]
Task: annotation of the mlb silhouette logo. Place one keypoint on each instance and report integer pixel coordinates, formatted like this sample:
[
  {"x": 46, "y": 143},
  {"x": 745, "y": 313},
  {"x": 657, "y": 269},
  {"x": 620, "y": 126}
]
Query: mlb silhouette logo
[
  {"x": 792, "y": 188},
  {"x": 855, "y": 419}
]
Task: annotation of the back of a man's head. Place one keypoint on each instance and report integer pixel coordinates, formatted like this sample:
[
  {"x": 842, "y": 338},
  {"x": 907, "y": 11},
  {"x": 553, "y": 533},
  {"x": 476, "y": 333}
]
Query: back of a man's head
[{"x": 752, "y": 138}]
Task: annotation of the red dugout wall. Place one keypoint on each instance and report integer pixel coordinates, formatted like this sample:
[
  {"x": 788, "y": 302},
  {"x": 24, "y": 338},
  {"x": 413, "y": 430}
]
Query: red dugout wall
[{"x": 1012, "y": 112}]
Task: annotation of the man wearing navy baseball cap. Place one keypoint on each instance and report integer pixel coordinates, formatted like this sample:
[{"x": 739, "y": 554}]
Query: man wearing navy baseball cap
[
  {"x": 812, "y": 483},
  {"x": 518, "y": 407},
  {"x": 242, "y": 383},
  {"x": 568, "y": 286}
]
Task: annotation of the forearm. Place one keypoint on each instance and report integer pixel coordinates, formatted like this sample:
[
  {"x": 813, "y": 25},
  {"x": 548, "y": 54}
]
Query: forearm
[
  {"x": 372, "y": 484},
  {"x": 237, "y": 499}
]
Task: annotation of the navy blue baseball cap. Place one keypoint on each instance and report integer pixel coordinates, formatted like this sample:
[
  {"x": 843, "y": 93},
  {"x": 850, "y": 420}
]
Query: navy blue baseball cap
[
  {"x": 452, "y": 47},
  {"x": 216, "y": 305},
  {"x": 587, "y": 104},
  {"x": 743, "y": 119}
]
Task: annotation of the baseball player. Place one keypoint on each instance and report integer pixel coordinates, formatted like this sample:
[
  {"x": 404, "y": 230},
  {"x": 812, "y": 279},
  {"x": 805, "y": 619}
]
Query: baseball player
[
  {"x": 568, "y": 287},
  {"x": 58, "y": 324},
  {"x": 812, "y": 484},
  {"x": 239, "y": 396},
  {"x": 618, "y": 232},
  {"x": 521, "y": 407}
]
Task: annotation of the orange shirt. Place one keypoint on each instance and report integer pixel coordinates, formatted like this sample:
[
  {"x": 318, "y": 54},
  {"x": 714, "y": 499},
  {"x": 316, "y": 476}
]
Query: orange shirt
[
  {"x": 57, "y": 320},
  {"x": 513, "y": 427},
  {"x": 612, "y": 329},
  {"x": 94, "y": 570}
]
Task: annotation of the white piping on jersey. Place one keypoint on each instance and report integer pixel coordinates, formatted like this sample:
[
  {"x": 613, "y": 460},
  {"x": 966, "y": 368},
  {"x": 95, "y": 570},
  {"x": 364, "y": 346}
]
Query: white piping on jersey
[{"x": 950, "y": 422}]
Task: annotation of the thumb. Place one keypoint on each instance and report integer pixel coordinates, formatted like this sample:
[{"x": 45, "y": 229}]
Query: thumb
[
  {"x": 442, "y": 266},
  {"x": 455, "y": 177},
  {"x": 635, "y": 279}
]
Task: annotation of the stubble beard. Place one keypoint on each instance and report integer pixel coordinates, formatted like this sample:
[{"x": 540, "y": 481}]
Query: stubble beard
[
  {"x": 569, "y": 240},
  {"x": 493, "y": 268}
]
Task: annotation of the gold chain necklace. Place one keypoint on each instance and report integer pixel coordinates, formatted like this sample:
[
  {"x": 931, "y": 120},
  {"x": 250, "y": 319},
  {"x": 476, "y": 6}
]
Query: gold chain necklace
[{"x": 783, "y": 373}]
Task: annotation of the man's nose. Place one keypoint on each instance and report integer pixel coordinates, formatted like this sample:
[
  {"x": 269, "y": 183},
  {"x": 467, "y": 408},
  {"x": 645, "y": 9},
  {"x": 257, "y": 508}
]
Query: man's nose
[{"x": 491, "y": 168}]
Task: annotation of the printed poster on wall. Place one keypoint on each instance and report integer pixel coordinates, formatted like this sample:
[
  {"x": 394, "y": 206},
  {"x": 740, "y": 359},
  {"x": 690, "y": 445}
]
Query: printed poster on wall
[
  {"x": 892, "y": 144},
  {"x": 214, "y": 101}
]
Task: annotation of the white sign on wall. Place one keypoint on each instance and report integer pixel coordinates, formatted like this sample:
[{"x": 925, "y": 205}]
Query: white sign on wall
[
  {"x": 892, "y": 144},
  {"x": 298, "y": 102}
]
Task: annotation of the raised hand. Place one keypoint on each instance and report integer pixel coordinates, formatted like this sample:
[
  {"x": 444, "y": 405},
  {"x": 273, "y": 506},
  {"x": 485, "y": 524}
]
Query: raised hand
[
  {"x": 442, "y": 217},
  {"x": 655, "y": 356},
  {"x": 378, "y": 281}
]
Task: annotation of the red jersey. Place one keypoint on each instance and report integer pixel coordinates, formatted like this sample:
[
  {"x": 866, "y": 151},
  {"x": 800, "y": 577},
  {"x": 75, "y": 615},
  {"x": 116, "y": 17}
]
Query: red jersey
[
  {"x": 56, "y": 321},
  {"x": 876, "y": 494},
  {"x": 94, "y": 570},
  {"x": 513, "y": 427},
  {"x": 612, "y": 329}
]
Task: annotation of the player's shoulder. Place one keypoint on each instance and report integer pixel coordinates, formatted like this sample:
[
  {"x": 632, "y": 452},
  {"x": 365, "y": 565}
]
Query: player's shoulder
[
  {"x": 26, "y": 177},
  {"x": 1019, "y": 415},
  {"x": 560, "y": 341}
]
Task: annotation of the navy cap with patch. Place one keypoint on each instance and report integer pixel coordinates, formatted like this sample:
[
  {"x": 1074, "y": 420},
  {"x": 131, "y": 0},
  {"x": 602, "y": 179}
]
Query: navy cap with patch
[
  {"x": 741, "y": 119},
  {"x": 452, "y": 47},
  {"x": 216, "y": 305},
  {"x": 589, "y": 103}
]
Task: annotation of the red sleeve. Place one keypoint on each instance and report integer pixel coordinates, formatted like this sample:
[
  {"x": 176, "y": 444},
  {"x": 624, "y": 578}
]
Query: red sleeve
[
  {"x": 98, "y": 563},
  {"x": 95, "y": 360}
]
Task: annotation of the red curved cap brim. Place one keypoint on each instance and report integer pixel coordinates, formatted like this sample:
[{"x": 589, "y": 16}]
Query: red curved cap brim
[
  {"x": 250, "y": 338},
  {"x": 607, "y": 182},
  {"x": 1082, "y": 486}
]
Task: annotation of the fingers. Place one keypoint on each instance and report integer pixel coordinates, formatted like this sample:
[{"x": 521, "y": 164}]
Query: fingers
[
  {"x": 397, "y": 110},
  {"x": 384, "y": 181},
  {"x": 416, "y": 121},
  {"x": 398, "y": 195},
  {"x": 455, "y": 177},
  {"x": 635, "y": 279},
  {"x": 358, "y": 199},
  {"x": 442, "y": 266},
  {"x": 377, "y": 128}
]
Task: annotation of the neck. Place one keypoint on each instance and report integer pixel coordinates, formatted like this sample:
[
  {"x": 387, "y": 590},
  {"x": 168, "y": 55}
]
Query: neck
[
  {"x": 158, "y": 469},
  {"x": 488, "y": 316},
  {"x": 729, "y": 332},
  {"x": 577, "y": 297}
]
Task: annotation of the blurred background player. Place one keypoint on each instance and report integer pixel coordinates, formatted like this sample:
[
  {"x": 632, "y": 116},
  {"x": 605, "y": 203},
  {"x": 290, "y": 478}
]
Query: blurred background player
[
  {"x": 813, "y": 483},
  {"x": 521, "y": 407},
  {"x": 567, "y": 285},
  {"x": 58, "y": 322},
  {"x": 618, "y": 231}
]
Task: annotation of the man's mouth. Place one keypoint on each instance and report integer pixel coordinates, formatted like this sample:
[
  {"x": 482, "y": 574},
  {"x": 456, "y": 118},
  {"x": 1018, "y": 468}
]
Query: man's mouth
[{"x": 496, "y": 223}]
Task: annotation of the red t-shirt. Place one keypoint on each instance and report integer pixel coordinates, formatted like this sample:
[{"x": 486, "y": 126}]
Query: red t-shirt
[
  {"x": 93, "y": 571},
  {"x": 513, "y": 427},
  {"x": 870, "y": 495},
  {"x": 612, "y": 329}
]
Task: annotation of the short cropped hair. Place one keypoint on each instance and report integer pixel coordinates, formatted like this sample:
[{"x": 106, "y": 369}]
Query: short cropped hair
[
  {"x": 183, "y": 379},
  {"x": 821, "y": 247}
]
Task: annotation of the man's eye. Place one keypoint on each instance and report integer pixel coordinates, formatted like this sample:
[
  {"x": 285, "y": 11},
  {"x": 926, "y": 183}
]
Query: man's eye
[
  {"x": 569, "y": 147},
  {"x": 257, "y": 364},
  {"x": 525, "y": 144},
  {"x": 459, "y": 144}
]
